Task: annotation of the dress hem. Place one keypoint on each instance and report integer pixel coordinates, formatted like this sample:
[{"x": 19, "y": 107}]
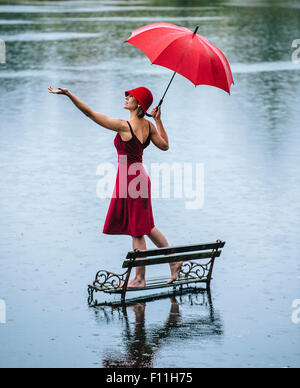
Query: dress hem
[{"x": 127, "y": 233}]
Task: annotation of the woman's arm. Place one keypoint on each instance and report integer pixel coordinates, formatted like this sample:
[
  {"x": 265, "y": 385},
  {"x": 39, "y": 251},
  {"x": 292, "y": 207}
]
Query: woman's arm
[
  {"x": 117, "y": 125},
  {"x": 159, "y": 136}
]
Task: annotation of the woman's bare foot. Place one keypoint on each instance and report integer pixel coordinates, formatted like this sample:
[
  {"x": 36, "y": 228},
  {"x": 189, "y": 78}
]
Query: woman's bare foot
[
  {"x": 136, "y": 283},
  {"x": 175, "y": 270}
]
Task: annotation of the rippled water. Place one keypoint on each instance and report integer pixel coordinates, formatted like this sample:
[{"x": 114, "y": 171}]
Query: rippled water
[{"x": 51, "y": 218}]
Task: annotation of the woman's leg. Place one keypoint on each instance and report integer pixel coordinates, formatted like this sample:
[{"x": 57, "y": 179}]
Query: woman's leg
[
  {"x": 158, "y": 238},
  {"x": 160, "y": 241},
  {"x": 139, "y": 280}
]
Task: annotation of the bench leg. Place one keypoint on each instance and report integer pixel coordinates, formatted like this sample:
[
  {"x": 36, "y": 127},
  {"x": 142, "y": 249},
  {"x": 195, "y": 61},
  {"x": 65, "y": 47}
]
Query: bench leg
[
  {"x": 91, "y": 295},
  {"x": 210, "y": 272},
  {"x": 124, "y": 288},
  {"x": 215, "y": 251}
]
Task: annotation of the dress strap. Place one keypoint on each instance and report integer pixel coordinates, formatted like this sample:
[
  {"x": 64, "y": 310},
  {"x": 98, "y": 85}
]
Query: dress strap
[
  {"x": 133, "y": 135},
  {"x": 130, "y": 128},
  {"x": 149, "y": 131}
]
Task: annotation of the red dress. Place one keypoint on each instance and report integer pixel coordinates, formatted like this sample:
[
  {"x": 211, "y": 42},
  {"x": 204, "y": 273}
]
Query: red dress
[{"x": 130, "y": 210}]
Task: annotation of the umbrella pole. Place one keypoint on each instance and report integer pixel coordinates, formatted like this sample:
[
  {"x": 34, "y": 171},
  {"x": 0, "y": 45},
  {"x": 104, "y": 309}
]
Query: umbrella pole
[{"x": 162, "y": 99}]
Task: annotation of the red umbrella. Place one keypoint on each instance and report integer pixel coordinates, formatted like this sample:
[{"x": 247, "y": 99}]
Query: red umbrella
[{"x": 184, "y": 52}]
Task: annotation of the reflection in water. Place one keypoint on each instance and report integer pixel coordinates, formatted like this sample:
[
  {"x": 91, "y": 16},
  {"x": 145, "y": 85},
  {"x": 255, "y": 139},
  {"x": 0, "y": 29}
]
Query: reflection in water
[{"x": 141, "y": 344}]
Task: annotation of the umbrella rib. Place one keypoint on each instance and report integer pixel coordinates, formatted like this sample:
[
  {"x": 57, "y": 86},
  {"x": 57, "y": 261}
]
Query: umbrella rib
[
  {"x": 218, "y": 54},
  {"x": 199, "y": 58},
  {"x": 182, "y": 56},
  {"x": 208, "y": 50},
  {"x": 185, "y": 51},
  {"x": 169, "y": 44}
]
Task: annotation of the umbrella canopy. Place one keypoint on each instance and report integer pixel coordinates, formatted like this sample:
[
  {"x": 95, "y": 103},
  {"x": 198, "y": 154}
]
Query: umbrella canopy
[{"x": 185, "y": 52}]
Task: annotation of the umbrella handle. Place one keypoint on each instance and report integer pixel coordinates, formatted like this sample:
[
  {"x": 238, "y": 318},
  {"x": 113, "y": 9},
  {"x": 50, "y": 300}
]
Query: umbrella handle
[{"x": 159, "y": 104}]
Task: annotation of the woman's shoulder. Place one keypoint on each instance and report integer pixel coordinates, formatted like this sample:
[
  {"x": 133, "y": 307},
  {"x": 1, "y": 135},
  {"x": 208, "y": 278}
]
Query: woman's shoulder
[
  {"x": 124, "y": 125},
  {"x": 149, "y": 123}
]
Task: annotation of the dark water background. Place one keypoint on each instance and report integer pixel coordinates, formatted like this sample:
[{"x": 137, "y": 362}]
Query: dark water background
[{"x": 51, "y": 218}]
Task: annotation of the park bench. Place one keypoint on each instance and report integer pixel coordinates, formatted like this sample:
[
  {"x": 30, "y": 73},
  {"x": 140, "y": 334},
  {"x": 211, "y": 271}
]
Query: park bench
[{"x": 192, "y": 271}]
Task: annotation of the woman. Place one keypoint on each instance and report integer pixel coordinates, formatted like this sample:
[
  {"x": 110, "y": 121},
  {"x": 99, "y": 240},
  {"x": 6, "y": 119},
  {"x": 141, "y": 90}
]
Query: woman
[{"x": 130, "y": 210}]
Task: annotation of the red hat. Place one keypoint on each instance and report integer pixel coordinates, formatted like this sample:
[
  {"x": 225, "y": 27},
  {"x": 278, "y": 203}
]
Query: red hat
[{"x": 143, "y": 96}]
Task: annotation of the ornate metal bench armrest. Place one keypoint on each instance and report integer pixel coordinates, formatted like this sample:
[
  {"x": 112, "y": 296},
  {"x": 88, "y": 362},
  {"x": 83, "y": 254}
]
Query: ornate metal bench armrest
[
  {"x": 109, "y": 280},
  {"x": 193, "y": 269}
]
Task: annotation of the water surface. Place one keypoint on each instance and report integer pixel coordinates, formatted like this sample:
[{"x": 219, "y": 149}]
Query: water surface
[{"x": 51, "y": 218}]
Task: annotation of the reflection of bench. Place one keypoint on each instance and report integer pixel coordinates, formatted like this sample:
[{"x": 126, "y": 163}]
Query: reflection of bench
[{"x": 191, "y": 272}]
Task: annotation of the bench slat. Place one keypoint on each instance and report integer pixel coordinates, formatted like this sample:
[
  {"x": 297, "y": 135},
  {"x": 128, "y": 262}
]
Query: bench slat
[
  {"x": 165, "y": 285},
  {"x": 176, "y": 249},
  {"x": 162, "y": 284},
  {"x": 169, "y": 259}
]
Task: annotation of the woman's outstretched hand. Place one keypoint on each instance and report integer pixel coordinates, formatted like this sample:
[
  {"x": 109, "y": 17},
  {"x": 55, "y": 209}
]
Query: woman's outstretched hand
[
  {"x": 59, "y": 91},
  {"x": 156, "y": 113}
]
